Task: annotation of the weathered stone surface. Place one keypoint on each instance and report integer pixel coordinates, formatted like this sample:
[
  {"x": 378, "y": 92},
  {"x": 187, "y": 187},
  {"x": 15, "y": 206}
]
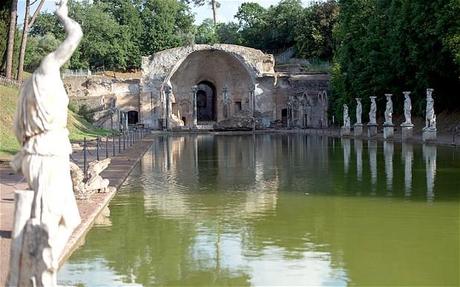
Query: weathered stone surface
[
  {"x": 85, "y": 186},
  {"x": 407, "y": 132},
  {"x": 235, "y": 70},
  {"x": 358, "y": 130},
  {"x": 371, "y": 130},
  {"x": 388, "y": 131},
  {"x": 239, "y": 122}
]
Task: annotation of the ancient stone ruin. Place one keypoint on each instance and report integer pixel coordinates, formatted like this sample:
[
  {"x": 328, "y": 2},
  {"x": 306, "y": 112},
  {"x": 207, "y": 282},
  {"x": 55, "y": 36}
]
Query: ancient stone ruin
[
  {"x": 86, "y": 185},
  {"x": 233, "y": 84}
]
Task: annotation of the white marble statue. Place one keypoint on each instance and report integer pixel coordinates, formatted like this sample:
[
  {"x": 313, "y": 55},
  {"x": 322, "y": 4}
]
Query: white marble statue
[
  {"x": 346, "y": 117},
  {"x": 359, "y": 111},
  {"x": 389, "y": 110},
  {"x": 40, "y": 127},
  {"x": 430, "y": 117},
  {"x": 373, "y": 112},
  {"x": 407, "y": 109}
]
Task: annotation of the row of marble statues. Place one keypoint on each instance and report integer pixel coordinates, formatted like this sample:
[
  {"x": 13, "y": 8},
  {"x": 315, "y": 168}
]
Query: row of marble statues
[{"x": 429, "y": 131}]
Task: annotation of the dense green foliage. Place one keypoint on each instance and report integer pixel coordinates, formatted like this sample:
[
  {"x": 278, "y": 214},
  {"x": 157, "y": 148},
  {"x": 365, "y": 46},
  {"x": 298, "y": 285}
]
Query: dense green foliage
[
  {"x": 4, "y": 24},
  {"x": 396, "y": 45},
  {"x": 117, "y": 32},
  {"x": 375, "y": 46}
]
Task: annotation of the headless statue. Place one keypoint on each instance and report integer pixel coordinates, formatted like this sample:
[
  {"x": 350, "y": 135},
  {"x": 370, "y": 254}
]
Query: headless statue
[{"x": 40, "y": 127}]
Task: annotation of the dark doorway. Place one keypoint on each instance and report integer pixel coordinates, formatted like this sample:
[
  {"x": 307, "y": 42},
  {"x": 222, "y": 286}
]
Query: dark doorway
[
  {"x": 206, "y": 102},
  {"x": 133, "y": 117},
  {"x": 284, "y": 117}
]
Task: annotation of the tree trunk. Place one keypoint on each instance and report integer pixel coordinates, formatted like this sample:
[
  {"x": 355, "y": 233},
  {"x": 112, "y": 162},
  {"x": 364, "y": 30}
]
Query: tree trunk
[
  {"x": 25, "y": 32},
  {"x": 12, "y": 30},
  {"x": 22, "y": 52},
  {"x": 214, "y": 11}
]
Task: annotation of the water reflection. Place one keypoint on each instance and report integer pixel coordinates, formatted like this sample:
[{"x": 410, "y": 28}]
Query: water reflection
[
  {"x": 372, "y": 149},
  {"x": 359, "y": 158},
  {"x": 388, "y": 151},
  {"x": 429, "y": 153},
  {"x": 346, "y": 153},
  {"x": 407, "y": 155},
  {"x": 276, "y": 210}
]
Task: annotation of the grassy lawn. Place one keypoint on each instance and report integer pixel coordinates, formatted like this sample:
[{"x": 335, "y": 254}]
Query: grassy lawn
[{"x": 78, "y": 127}]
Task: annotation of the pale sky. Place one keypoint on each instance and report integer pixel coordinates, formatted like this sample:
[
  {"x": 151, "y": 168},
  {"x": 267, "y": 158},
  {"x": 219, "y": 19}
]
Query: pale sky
[{"x": 225, "y": 13}]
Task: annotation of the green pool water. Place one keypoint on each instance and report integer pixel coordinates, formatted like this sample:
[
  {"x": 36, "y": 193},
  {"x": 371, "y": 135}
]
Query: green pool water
[{"x": 279, "y": 210}]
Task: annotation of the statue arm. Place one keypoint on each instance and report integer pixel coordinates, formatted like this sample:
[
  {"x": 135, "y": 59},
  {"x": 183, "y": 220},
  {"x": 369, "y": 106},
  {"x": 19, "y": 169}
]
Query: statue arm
[{"x": 65, "y": 50}]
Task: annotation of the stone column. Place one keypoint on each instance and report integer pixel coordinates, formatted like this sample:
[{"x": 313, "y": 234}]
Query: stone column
[
  {"x": 429, "y": 131},
  {"x": 372, "y": 125},
  {"x": 407, "y": 126},
  {"x": 388, "y": 126},
  {"x": 225, "y": 101},
  {"x": 358, "y": 127},
  {"x": 167, "y": 91},
  {"x": 194, "y": 109},
  {"x": 252, "y": 98}
]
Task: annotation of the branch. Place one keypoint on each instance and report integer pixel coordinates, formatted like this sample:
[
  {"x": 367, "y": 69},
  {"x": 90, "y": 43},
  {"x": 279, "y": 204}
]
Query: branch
[{"x": 32, "y": 20}]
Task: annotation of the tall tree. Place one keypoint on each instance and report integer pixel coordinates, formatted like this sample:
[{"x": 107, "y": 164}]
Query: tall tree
[
  {"x": 5, "y": 7},
  {"x": 28, "y": 23},
  {"x": 313, "y": 34},
  {"x": 213, "y": 3},
  {"x": 11, "y": 31},
  {"x": 254, "y": 24}
]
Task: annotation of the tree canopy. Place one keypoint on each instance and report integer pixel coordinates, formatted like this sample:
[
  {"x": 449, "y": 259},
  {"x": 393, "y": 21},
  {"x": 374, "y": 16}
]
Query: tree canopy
[{"x": 396, "y": 45}]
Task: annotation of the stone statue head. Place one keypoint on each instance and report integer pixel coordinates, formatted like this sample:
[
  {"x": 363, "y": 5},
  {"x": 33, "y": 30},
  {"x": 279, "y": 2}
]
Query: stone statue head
[{"x": 429, "y": 93}]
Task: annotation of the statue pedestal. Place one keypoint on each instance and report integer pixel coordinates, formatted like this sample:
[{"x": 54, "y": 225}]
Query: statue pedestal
[
  {"x": 407, "y": 131},
  {"x": 345, "y": 132},
  {"x": 429, "y": 134},
  {"x": 358, "y": 130},
  {"x": 371, "y": 130},
  {"x": 388, "y": 131}
]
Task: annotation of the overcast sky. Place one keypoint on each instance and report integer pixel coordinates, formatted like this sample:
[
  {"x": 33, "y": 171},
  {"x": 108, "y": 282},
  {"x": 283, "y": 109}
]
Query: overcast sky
[{"x": 225, "y": 13}]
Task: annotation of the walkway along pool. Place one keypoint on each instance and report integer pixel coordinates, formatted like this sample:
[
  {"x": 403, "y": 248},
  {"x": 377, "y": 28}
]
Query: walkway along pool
[{"x": 279, "y": 210}]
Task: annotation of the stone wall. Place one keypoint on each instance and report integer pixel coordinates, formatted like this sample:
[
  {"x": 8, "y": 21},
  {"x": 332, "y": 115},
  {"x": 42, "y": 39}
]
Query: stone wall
[
  {"x": 99, "y": 94},
  {"x": 236, "y": 67}
]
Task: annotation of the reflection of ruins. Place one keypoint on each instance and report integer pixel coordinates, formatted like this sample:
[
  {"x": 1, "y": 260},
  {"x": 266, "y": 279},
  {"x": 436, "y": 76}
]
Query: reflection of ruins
[{"x": 268, "y": 209}]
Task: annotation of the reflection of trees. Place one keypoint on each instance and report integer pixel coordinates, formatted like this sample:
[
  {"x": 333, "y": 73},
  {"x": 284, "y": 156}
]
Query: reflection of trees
[{"x": 255, "y": 191}]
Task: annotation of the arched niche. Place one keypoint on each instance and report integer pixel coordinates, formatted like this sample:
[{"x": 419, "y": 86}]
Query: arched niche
[{"x": 211, "y": 71}]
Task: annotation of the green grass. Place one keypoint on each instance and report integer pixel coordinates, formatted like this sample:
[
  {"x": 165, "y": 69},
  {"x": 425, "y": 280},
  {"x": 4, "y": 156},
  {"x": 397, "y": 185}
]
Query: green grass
[{"x": 77, "y": 125}]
